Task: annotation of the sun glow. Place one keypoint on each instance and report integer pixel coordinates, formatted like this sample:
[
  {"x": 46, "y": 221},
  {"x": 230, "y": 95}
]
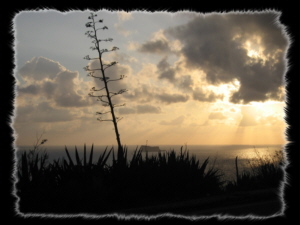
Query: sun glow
[
  {"x": 226, "y": 90},
  {"x": 255, "y": 49},
  {"x": 268, "y": 106}
]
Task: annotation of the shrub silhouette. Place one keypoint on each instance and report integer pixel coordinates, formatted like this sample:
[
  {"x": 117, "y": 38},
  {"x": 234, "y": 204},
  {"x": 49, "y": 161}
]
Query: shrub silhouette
[
  {"x": 265, "y": 172},
  {"x": 85, "y": 186}
]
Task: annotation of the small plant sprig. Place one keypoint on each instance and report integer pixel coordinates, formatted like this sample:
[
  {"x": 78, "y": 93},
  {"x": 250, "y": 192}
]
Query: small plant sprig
[{"x": 32, "y": 153}]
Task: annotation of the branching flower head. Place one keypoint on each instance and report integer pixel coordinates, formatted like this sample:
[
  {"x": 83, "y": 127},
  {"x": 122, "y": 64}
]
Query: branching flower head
[
  {"x": 43, "y": 141},
  {"x": 105, "y": 99},
  {"x": 89, "y": 24}
]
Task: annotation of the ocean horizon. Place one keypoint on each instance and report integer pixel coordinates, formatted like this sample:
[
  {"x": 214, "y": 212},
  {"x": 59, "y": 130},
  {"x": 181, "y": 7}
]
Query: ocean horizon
[{"x": 223, "y": 151}]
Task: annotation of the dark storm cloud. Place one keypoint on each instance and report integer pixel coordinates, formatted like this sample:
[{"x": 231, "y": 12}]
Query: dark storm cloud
[
  {"x": 157, "y": 46},
  {"x": 260, "y": 82},
  {"x": 214, "y": 43}
]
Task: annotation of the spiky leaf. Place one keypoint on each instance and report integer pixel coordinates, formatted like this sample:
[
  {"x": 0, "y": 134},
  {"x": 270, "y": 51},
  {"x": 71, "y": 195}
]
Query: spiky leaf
[{"x": 69, "y": 157}]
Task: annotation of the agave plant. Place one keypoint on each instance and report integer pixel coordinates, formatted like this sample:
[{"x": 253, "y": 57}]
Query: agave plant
[
  {"x": 80, "y": 183},
  {"x": 101, "y": 163}
]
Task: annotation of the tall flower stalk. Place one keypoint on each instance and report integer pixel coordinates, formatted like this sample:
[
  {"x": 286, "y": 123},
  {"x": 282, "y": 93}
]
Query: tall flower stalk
[{"x": 105, "y": 98}]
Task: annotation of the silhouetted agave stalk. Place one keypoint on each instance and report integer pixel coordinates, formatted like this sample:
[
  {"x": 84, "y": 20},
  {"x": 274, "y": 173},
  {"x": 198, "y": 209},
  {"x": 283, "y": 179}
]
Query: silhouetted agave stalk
[{"x": 105, "y": 98}]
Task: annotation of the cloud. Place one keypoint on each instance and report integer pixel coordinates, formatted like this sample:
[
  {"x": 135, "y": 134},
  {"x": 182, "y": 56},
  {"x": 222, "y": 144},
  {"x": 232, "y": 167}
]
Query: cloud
[
  {"x": 163, "y": 64},
  {"x": 140, "y": 109},
  {"x": 165, "y": 71},
  {"x": 175, "y": 122},
  {"x": 126, "y": 110},
  {"x": 122, "y": 30},
  {"x": 49, "y": 88},
  {"x": 172, "y": 98},
  {"x": 248, "y": 117},
  {"x": 155, "y": 46},
  {"x": 133, "y": 46},
  {"x": 42, "y": 112},
  {"x": 168, "y": 74},
  {"x": 216, "y": 44},
  {"x": 124, "y": 58},
  {"x": 140, "y": 94},
  {"x": 186, "y": 83},
  {"x": 115, "y": 85},
  {"x": 158, "y": 44},
  {"x": 55, "y": 83},
  {"x": 65, "y": 94},
  {"x": 205, "y": 96},
  {"x": 271, "y": 120},
  {"x": 216, "y": 116},
  {"x": 262, "y": 83},
  {"x": 30, "y": 89},
  {"x": 124, "y": 16},
  {"x": 113, "y": 72},
  {"x": 40, "y": 68}
]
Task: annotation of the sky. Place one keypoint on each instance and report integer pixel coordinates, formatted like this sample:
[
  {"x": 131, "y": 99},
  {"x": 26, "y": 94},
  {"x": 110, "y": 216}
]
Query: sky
[{"x": 192, "y": 78}]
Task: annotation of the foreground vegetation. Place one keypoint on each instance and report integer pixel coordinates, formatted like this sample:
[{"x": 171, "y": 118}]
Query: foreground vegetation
[{"x": 85, "y": 185}]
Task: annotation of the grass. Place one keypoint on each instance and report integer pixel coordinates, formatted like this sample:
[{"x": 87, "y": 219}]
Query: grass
[
  {"x": 264, "y": 171},
  {"x": 85, "y": 185}
]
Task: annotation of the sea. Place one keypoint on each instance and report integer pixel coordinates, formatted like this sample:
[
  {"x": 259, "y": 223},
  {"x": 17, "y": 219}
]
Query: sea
[{"x": 221, "y": 157}]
